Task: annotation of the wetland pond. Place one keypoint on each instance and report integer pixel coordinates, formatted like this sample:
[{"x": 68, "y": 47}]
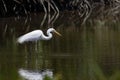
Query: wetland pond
[{"x": 89, "y": 51}]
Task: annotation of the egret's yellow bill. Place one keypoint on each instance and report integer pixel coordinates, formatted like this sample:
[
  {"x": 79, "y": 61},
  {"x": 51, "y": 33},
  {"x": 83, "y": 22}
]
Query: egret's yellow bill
[{"x": 57, "y": 33}]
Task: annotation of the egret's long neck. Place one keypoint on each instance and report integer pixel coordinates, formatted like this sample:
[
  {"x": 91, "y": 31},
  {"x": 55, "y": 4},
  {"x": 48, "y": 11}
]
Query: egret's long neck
[{"x": 48, "y": 37}]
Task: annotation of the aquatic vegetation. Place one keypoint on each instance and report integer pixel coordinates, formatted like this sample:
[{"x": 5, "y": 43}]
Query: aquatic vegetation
[{"x": 19, "y": 7}]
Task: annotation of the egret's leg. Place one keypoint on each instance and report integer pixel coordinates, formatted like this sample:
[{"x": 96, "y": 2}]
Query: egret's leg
[
  {"x": 36, "y": 62},
  {"x": 36, "y": 47},
  {"x": 36, "y": 55}
]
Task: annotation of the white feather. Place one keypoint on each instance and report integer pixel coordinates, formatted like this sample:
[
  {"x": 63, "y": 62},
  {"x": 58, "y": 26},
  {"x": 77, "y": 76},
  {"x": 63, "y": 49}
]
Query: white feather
[
  {"x": 35, "y": 36},
  {"x": 31, "y": 36}
]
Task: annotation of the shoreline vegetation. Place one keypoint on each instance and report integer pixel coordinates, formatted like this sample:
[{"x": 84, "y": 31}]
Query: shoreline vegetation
[{"x": 83, "y": 7}]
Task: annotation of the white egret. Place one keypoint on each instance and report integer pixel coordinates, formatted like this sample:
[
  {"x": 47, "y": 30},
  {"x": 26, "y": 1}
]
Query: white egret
[{"x": 37, "y": 35}]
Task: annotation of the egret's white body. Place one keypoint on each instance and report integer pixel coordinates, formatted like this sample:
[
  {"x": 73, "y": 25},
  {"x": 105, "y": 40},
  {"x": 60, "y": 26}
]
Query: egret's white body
[{"x": 37, "y": 35}]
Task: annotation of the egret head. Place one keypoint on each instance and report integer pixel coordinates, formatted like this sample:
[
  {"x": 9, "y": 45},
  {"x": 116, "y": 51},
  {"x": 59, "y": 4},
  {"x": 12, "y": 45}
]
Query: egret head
[{"x": 53, "y": 30}]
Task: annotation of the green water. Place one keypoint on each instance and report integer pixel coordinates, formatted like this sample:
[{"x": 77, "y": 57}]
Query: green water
[{"x": 84, "y": 52}]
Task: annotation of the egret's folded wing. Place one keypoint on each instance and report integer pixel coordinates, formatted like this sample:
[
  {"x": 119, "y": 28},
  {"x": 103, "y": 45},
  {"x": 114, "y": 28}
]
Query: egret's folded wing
[{"x": 32, "y": 36}]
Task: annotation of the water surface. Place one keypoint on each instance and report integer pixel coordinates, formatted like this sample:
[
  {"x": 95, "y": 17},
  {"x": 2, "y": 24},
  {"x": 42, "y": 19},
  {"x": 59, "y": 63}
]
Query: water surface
[{"x": 90, "y": 51}]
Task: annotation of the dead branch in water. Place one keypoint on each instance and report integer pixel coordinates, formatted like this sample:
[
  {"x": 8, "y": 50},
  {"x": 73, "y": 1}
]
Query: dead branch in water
[{"x": 84, "y": 7}]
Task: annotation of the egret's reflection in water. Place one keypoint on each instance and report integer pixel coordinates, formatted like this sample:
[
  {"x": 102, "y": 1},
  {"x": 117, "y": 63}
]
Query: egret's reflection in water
[{"x": 35, "y": 75}]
